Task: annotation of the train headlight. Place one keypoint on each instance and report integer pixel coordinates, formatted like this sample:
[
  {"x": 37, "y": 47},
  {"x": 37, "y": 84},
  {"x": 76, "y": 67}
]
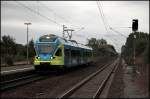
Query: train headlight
[{"x": 37, "y": 57}]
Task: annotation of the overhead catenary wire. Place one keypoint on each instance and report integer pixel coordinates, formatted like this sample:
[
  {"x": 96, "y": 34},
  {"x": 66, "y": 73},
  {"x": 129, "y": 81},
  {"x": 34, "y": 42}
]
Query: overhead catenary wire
[
  {"x": 52, "y": 11},
  {"x": 38, "y": 13},
  {"x": 109, "y": 27},
  {"x": 106, "y": 22},
  {"x": 102, "y": 17},
  {"x": 62, "y": 18},
  {"x": 118, "y": 32}
]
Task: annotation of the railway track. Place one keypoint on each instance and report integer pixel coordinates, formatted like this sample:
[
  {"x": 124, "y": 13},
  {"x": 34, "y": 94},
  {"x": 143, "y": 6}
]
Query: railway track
[
  {"x": 26, "y": 79},
  {"x": 5, "y": 85},
  {"x": 93, "y": 85},
  {"x": 20, "y": 80}
]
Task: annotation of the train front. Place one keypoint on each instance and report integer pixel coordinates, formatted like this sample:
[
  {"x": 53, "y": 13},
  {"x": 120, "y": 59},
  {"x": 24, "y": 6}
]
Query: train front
[{"x": 46, "y": 47}]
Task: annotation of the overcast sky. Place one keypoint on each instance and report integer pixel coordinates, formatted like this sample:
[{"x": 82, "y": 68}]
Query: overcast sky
[{"x": 74, "y": 14}]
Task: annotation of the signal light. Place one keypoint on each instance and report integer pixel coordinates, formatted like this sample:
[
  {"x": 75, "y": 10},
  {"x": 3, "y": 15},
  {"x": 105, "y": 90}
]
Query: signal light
[{"x": 134, "y": 24}]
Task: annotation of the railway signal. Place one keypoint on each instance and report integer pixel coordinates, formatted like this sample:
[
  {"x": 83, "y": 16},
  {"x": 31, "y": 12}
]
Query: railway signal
[
  {"x": 134, "y": 30},
  {"x": 135, "y": 25}
]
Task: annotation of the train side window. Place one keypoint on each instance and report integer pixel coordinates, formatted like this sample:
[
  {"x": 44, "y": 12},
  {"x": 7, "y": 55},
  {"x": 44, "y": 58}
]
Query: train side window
[
  {"x": 59, "y": 52},
  {"x": 72, "y": 53},
  {"x": 67, "y": 52},
  {"x": 84, "y": 54}
]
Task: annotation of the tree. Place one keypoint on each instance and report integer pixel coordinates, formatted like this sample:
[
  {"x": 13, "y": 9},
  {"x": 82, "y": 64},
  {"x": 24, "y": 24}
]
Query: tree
[
  {"x": 92, "y": 42},
  {"x": 141, "y": 42},
  {"x": 101, "y": 42},
  {"x": 2, "y": 48},
  {"x": 11, "y": 51},
  {"x": 146, "y": 54},
  {"x": 100, "y": 47},
  {"x": 9, "y": 45},
  {"x": 31, "y": 48}
]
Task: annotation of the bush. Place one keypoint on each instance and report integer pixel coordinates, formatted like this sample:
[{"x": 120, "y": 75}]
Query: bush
[
  {"x": 129, "y": 60},
  {"x": 9, "y": 60},
  {"x": 18, "y": 58},
  {"x": 146, "y": 55},
  {"x": 31, "y": 60}
]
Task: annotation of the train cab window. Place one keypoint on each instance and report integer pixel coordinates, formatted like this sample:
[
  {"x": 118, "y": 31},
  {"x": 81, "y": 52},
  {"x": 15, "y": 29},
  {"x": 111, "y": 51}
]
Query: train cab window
[{"x": 59, "y": 52}]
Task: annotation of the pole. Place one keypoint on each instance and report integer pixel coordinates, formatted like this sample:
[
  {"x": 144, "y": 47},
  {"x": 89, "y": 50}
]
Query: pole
[
  {"x": 27, "y": 46},
  {"x": 69, "y": 35},
  {"x": 134, "y": 50},
  {"x": 27, "y": 42},
  {"x": 134, "y": 30},
  {"x": 64, "y": 30},
  {"x": 134, "y": 37}
]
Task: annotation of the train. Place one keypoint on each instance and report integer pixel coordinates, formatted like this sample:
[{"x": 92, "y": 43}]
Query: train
[{"x": 57, "y": 53}]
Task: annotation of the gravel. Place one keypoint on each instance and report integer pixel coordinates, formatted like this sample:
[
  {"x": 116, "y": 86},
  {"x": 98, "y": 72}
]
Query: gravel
[
  {"x": 117, "y": 86},
  {"x": 129, "y": 84}
]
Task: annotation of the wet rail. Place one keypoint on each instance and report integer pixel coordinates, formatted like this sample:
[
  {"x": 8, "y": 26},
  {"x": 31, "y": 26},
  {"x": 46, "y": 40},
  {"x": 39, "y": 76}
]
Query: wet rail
[{"x": 90, "y": 86}]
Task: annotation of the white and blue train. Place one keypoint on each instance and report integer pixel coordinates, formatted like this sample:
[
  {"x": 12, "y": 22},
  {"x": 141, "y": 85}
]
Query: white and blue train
[{"x": 56, "y": 52}]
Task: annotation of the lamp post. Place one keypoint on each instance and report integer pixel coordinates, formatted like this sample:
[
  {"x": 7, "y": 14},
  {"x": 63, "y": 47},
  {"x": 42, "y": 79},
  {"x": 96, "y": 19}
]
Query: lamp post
[{"x": 27, "y": 39}]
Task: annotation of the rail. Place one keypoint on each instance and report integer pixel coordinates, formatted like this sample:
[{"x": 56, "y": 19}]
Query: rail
[{"x": 87, "y": 79}]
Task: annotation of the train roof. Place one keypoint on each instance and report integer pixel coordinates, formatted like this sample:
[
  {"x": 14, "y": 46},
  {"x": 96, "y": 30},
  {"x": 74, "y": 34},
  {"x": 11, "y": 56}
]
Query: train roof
[
  {"x": 73, "y": 43},
  {"x": 66, "y": 42}
]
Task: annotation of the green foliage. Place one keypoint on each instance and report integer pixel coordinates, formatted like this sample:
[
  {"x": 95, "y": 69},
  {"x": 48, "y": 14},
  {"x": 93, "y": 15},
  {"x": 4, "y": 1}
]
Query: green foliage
[
  {"x": 140, "y": 46},
  {"x": 92, "y": 43},
  {"x": 31, "y": 49},
  {"x": 12, "y": 52},
  {"x": 8, "y": 45},
  {"x": 21, "y": 50},
  {"x": 141, "y": 42},
  {"x": 9, "y": 60},
  {"x": 146, "y": 54},
  {"x": 100, "y": 47},
  {"x": 18, "y": 58}
]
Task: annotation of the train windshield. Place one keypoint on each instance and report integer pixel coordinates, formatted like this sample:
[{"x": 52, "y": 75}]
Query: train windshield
[{"x": 44, "y": 49}]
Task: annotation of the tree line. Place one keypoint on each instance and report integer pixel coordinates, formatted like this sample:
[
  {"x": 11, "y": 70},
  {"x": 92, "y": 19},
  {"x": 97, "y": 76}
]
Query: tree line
[
  {"x": 141, "y": 45},
  {"x": 101, "y": 48},
  {"x": 13, "y": 52}
]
